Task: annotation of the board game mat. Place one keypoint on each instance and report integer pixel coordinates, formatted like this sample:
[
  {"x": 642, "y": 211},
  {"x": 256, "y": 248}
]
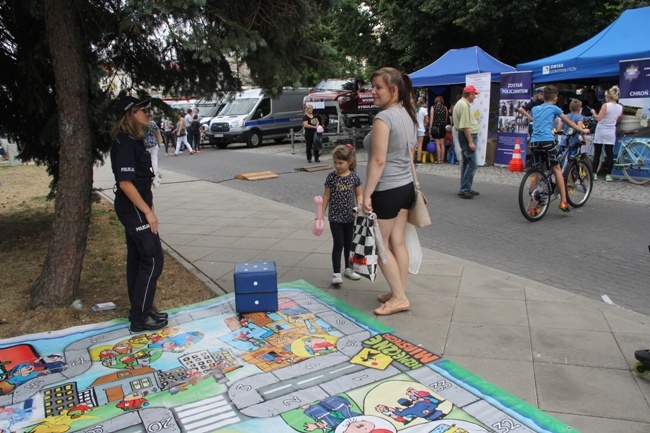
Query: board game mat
[{"x": 315, "y": 365}]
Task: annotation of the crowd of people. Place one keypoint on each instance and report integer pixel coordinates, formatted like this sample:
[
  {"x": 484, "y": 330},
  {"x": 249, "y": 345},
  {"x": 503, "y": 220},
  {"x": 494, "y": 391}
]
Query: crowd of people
[
  {"x": 389, "y": 188},
  {"x": 184, "y": 133},
  {"x": 395, "y": 142}
]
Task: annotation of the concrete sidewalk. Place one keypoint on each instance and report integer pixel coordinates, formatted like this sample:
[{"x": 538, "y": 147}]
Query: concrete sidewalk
[{"x": 563, "y": 353}]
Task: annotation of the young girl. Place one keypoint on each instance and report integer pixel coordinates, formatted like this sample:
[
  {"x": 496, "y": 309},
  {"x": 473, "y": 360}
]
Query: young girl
[{"x": 342, "y": 194}]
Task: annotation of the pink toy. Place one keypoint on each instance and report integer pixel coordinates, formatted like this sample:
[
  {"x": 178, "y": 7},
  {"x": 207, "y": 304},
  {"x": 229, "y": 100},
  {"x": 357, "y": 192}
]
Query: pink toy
[{"x": 319, "y": 225}]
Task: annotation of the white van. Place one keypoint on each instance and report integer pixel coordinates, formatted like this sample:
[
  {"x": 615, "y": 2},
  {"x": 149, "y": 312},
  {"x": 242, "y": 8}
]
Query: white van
[
  {"x": 251, "y": 116},
  {"x": 210, "y": 108}
]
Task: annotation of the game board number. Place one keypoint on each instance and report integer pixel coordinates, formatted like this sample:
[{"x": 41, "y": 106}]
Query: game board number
[
  {"x": 340, "y": 322},
  {"x": 243, "y": 387},
  {"x": 160, "y": 425},
  {"x": 440, "y": 386},
  {"x": 95, "y": 429},
  {"x": 34, "y": 384},
  {"x": 505, "y": 425},
  {"x": 291, "y": 401},
  {"x": 78, "y": 361}
]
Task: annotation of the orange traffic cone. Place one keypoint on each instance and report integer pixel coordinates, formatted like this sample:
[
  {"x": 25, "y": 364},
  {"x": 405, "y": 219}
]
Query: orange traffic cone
[{"x": 516, "y": 164}]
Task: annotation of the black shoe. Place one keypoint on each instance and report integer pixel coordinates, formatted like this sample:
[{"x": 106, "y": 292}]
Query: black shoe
[
  {"x": 150, "y": 324},
  {"x": 158, "y": 315},
  {"x": 309, "y": 161},
  {"x": 465, "y": 195},
  {"x": 474, "y": 192},
  {"x": 318, "y": 160}
]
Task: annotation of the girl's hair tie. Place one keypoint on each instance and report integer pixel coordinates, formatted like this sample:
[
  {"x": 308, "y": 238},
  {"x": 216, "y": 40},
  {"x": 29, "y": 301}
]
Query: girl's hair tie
[{"x": 349, "y": 145}]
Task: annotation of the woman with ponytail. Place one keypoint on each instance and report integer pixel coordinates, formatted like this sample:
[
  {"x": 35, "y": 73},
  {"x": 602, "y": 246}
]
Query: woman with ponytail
[{"x": 389, "y": 190}]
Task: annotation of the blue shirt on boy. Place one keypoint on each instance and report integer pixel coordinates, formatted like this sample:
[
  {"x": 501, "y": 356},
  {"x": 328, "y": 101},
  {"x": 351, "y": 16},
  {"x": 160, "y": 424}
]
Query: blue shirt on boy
[{"x": 543, "y": 119}]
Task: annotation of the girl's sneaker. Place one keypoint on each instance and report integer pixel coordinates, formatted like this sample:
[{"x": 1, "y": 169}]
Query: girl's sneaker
[
  {"x": 337, "y": 279},
  {"x": 533, "y": 211},
  {"x": 608, "y": 178},
  {"x": 349, "y": 273},
  {"x": 564, "y": 206}
]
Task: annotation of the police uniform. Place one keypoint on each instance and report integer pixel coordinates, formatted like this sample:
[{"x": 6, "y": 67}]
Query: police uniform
[{"x": 144, "y": 262}]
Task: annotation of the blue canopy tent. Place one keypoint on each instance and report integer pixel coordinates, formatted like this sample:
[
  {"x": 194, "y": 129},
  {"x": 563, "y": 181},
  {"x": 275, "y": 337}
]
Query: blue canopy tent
[
  {"x": 598, "y": 57},
  {"x": 452, "y": 67}
]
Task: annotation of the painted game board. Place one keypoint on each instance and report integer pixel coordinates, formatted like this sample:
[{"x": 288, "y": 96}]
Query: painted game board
[{"x": 315, "y": 365}]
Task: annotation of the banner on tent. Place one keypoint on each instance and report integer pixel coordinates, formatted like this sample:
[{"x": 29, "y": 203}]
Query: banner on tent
[
  {"x": 515, "y": 93},
  {"x": 635, "y": 86},
  {"x": 481, "y": 110}
]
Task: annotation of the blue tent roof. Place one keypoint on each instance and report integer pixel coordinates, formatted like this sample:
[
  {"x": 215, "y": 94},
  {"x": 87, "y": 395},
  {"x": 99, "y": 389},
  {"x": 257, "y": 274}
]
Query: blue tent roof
[
  {"x": 452, "y": 67},
  {"x": 624, "y": 39}
]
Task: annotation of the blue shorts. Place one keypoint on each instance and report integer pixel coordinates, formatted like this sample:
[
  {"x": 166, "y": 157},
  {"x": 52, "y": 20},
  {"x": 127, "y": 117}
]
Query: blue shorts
[{"x": 387, "y": 204}]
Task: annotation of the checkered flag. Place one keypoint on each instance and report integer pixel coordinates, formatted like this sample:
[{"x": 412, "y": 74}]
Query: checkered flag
[{"x": 363, "y": 253}]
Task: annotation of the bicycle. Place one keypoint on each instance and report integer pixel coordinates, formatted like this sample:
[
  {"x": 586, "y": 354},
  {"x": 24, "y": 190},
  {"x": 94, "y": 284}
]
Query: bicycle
[
  {"x": 538, "y": 189},
  {"x": 633, "y": 159}
]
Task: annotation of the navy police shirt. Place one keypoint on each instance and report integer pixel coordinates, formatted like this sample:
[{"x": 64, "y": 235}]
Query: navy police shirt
[{"x": 130, "y": 160}]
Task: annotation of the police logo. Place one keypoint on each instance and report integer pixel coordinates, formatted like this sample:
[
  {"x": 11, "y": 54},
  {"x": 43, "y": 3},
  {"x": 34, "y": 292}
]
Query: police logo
[{"x": 631, "y": 73}]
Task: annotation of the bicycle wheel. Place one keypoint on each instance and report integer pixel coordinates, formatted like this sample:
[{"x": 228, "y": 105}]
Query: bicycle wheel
[
  {"x": 636, "y": 162},
  {"x": 579, "y": 182},
  {"x": 534, "y": 195}
]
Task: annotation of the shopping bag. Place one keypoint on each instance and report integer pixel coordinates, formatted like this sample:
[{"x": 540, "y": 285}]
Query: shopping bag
[
  {"x": 363, "y": 252},
  {"x": 414, "y": 249},
  {"x": 318, "y": 141}
]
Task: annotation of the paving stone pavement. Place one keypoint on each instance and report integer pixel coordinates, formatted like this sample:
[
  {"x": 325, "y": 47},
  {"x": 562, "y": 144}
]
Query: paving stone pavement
[{"x": 564, "y": 353}]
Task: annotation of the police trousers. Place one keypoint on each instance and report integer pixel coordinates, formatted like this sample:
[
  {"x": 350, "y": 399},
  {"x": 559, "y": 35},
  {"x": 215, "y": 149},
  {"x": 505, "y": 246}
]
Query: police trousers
[{"x": 144, "y": 255}]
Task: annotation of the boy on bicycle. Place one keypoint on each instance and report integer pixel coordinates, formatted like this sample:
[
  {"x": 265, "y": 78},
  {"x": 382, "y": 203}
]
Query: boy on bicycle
[
  {"x": 572, "y": 140},
  {"x": 543, "y": 139}
]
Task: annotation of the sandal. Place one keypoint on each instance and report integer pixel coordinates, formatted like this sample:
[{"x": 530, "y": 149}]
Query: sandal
[
  {"x": 384, "y": 297},
  {"x": 386, "y": 310}
]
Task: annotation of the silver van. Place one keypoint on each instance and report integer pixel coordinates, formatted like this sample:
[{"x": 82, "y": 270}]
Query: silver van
[
  {"x": 210, "y": 108},
  {"x": 251, "y": 116}
]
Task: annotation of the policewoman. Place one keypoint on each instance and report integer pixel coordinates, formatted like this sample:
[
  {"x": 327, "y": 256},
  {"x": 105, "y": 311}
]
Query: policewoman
[{"x": 131, "y": 164}]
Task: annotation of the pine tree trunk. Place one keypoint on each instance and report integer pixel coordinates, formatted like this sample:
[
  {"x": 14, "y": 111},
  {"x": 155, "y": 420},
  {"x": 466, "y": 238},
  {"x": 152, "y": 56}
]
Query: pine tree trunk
[{"x": 57, "y": 285}]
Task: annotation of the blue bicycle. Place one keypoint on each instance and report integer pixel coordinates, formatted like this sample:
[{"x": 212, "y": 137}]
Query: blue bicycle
[{"x": 633, "y": 160}]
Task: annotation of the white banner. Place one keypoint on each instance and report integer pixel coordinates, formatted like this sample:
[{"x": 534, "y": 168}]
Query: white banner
[{"x": 481, "y": 110}]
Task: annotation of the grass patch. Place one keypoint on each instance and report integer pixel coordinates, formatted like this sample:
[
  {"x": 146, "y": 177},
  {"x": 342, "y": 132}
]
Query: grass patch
[{"x": 26, "y": 225}]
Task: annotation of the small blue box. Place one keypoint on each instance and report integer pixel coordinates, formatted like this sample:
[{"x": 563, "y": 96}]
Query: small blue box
[{"x": 256, "y": 287}]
